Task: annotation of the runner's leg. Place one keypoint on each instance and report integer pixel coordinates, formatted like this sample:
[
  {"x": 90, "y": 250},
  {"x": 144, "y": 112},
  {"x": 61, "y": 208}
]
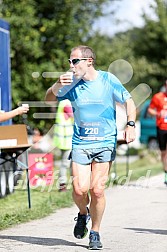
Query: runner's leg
[
  {"x": 99, "y": 178},
  {"x": 81, "y": 184}
]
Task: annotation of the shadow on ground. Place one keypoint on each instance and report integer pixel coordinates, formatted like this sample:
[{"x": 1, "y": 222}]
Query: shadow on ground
[
  {"x": 41, "y": 241},
  {"x": 145, "y": 230}
]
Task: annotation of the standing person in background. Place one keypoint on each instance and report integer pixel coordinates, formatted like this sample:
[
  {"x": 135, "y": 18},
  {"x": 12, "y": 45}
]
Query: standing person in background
[
  {"x": 63, "y": 132},
  {"x": 93, "y": 94},
  {"x": 36, "y": 140},
  {"x": 4, "y": 116},
  {"x": 158, "y": 108}
]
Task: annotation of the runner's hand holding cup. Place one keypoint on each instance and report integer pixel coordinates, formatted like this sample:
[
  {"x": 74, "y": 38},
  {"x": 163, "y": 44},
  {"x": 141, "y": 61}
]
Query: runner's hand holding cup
[{"x": 66, "y": 79}]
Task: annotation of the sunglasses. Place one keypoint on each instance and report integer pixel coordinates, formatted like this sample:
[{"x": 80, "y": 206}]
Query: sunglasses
[{"x": 76, "y": 61}]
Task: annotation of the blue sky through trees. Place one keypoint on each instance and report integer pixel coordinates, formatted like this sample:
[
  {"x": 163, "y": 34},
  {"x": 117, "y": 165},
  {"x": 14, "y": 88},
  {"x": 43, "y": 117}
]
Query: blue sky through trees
[{"x": 128, "y": 14}]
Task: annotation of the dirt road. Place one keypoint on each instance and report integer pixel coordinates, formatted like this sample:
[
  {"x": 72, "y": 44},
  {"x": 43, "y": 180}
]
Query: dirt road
[{"x": 135, "y": 220}]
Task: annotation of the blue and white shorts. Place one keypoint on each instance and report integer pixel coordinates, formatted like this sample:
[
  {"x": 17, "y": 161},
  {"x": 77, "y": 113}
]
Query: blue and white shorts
[{"x": 87, "y": 156}]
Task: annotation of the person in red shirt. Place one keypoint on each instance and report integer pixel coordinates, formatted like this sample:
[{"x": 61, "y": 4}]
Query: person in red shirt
[{"x": 158, "y": 108}]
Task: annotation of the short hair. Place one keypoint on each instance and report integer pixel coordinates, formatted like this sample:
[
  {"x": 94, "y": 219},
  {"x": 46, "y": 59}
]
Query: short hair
[{"x": 87, "y": 52}]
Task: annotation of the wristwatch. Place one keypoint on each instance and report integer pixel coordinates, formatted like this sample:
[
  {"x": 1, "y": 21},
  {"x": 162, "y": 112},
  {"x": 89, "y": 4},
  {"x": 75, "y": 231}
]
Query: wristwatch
[{"x": 131, "y": 123}]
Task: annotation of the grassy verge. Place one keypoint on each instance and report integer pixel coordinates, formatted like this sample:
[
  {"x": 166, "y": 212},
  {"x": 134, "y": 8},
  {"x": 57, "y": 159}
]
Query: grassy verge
[
  {"x": 147, "y": 165},
  {"x": 14, "y": 208}
]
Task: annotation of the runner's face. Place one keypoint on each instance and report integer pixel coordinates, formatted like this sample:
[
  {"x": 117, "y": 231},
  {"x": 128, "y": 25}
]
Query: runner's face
[{"x": 81, "y": 67}]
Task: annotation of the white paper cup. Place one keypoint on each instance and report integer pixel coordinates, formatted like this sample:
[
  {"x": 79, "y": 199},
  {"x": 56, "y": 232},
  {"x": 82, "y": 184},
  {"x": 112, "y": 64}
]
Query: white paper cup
[
  {"x": 70, "y": 74},
  {"x": 25, "y": 105}
]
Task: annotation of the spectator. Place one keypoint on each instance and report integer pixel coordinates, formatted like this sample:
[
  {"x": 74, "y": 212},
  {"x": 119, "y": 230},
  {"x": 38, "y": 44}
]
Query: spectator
[
  {"x": 63, "y": 139},
  {"x": 158, "y": 108},
  {"x": 4, "y": 116}
]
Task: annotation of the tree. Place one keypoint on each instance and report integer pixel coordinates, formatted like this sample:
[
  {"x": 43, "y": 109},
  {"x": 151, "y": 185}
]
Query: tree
[
  {"x": 42, "y": 34},
  {"x": 150, "y": 42},
  {"x": 144, "y": 48}
]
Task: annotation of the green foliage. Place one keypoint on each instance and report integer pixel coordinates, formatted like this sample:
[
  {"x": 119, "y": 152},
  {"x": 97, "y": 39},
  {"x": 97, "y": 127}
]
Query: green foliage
[
  {"x": 144, "y": 48},
  {"x": 150, "y": 43},
  {"x": 42, "y": 35}
]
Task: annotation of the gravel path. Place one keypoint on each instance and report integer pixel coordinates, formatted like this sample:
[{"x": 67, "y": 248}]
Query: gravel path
[{"x": 135, "y": 220}]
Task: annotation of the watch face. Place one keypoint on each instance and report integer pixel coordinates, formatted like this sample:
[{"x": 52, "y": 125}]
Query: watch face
[{"x": 131, "y": 123}]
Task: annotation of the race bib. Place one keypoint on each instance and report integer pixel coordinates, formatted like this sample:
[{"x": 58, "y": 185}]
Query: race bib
[{"x": 91, "y": 131}]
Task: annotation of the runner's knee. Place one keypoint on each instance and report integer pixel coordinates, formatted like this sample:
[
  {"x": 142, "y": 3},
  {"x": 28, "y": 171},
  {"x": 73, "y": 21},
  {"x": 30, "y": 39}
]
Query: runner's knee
[
  {"x": 80, "y": 191},
  {"x": 97, "y": 193}
]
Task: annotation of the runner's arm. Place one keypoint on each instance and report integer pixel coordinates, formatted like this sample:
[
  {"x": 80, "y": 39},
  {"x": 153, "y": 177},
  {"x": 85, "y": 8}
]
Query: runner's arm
[
  {"x": 129, "y": 133},
  {"x": 52, "y": 92}
]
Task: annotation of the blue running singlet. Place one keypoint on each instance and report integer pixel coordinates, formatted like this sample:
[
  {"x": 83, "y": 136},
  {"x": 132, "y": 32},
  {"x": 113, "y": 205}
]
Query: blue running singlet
[{"x": 94, "y": 107}]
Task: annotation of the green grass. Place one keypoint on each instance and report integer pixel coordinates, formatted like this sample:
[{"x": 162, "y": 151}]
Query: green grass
[
  {"x": 14, "y": 208},
  {"x": 144, "y": 167}
]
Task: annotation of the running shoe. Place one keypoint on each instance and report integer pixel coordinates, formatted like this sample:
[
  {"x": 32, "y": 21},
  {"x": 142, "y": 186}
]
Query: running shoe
[
  {"x": 62, "y": 187},
  {"x": 80, "y": 229},
  {"x": 94, "y": 241}
]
